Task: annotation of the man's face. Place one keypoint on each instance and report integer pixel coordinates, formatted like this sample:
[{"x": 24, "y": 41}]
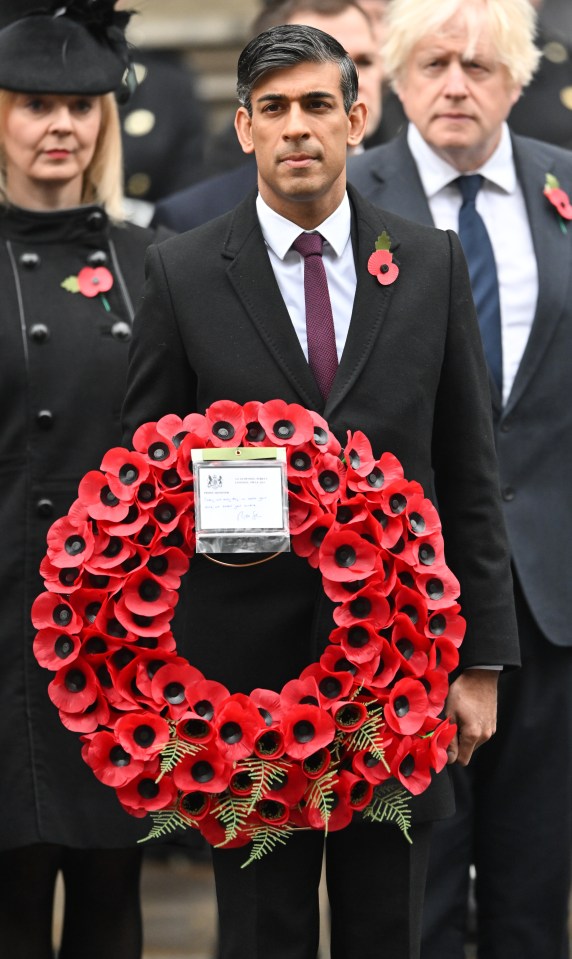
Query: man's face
[
  {"x": 300, "y": 132},
  {"x": 353, "y": 31},
  {"x": 458, "y": 103}
]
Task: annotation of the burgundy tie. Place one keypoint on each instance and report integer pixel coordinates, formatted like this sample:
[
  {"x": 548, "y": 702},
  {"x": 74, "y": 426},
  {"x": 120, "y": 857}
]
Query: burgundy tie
[{"x": 322, "y": 354}]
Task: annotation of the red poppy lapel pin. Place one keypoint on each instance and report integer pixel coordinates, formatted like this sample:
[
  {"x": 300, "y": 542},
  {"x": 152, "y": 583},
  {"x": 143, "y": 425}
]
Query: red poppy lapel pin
[
  {"x": 559, "y": 199},
  {"x": 380, "y": 263},
  {"x": 90, "y": 282}
]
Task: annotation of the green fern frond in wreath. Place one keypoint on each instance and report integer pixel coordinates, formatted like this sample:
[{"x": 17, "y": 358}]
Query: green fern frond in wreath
[
  {"x": 264, "y": 840},
  {"x": 232, "y": 812},
  {"x": 167, "y": 821},
  {"x": 263, "y": 775},
  {"x": 321, "y": 795},
  {"x": 369, "y": 736},
  {"x": 173, "y": 752},
  {"x": 390, "y": 803}
]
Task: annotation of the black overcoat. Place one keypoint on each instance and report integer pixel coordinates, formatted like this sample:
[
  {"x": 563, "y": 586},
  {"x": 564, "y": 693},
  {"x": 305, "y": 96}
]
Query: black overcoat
[
  {"x": 213, "y": 325},
  {"x": 63, "y": 359}
]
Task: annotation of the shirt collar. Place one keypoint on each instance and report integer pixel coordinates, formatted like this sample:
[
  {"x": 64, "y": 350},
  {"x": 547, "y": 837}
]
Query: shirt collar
[
  {"x": 436, "y": 173},
  {"x": 280, "y": 233}
]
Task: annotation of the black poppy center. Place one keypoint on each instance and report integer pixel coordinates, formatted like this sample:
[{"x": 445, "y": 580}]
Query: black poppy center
[
  {"x": 301, "y": 462},
  {"x": 75, "y": 681},
  {"x": 231, "y": 733},
  {"x": 401, "y": 706},
  {"x": 435, "y": 589},
  {"x": 204, "y": 708},
  {"x": 397, "y": 503},
  {"x": 329, "y": 481},
  {"x": 405, "y": 647},
  {"x": 174, "y": 693},
  {"x": 62, "y": 615},
  {"x": 74, "y": 545},
  {"x": 376, "y": 478},
  {"x": 437, "y": 624},
  {"x": 224, "y": 430},
  {"x": 407, "y": 766},
  {"x": 358, "y": 636},
  {"x": 202, "y": 771},
  {"x": 345, "y": 556},
  {"x": 149, "y": 590},
  {"x": 144, "y": 736},
  {"x": 426, "y": 554},
  {"x": 128, "y": 474},
  {"x": 63, "y": 646},
  {"x": 107, "y": 497},
  {"x": 330, "y": 687},
  {"x": 284, "y": 429},
  {"x": 304, "y": 731},
  {"x": 158, "y": 451},
  {"x": 254, "y": 432},
  {"x": 196, "y": 728},
  {"x": 360, "y": 607},
  {"x": 118, "y": 756},
  {"x": 148, "y": 789}
]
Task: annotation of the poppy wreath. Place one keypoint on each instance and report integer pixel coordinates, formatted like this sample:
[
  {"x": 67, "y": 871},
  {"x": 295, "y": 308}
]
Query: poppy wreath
[{"x": 358, "y": 732}]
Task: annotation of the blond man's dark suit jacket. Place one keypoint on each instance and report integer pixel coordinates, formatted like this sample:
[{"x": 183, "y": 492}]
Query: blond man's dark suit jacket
[
  {"x": 534, "y": 429},
  {"x": 213, "y": 325}
]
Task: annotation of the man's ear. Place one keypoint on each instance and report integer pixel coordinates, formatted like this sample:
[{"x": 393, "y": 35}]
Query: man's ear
[
  {"x": 357, "y": 119},
  {"x": 243, "y": 127}
]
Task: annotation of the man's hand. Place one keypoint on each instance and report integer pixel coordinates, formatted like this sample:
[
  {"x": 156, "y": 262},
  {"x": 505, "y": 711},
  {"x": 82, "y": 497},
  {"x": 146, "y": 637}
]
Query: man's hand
[{"x": 472, "y": 705}]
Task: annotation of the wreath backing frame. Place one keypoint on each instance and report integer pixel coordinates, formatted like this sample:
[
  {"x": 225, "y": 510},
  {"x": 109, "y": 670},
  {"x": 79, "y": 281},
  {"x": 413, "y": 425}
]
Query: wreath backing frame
[{"x": 358, "y": 732}]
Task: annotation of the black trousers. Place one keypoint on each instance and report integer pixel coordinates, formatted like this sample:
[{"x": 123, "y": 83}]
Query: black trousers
[
  {"x": 513, "y": 820},
  {"x": 375, "y": 879}
]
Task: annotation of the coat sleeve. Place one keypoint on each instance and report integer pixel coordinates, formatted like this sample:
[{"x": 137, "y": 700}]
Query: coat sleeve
[
  {"x": 160, "y": 379},
  {"x": 467, "y": 484}
]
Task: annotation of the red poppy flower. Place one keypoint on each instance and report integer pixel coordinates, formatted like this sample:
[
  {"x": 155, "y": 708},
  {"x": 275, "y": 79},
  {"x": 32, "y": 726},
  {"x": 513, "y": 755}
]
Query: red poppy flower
[
  {"x": 301, "y": 462},
  {"x": 206, "y": 771},
  {"x": 125, "y": 471},
  {"x": 286, "y": 424},
  {"x": 50, "y": 610},
  {"x": 100, "y": 502},
  {"x": 297, "y": 691},
  {"x": 306, "y": 729},
  {"x": 559, "y": 198},
  {"x": 195, "y": 729},
  {"x": 110, "y": 761},
  {"x": 360, "y": 642},
  {"x": 205, "y": 697},
  {"x": 444, "y": 655},
  {"x": 436, "y": 683},
  {"x": 323, "y": 438},
  {"x": 109, "y": 555},
  {"x": 329, "y": 480},
  {"x": 54, "y": 649},
  {"x": 303, "y": 515},
  {"x": 411, "y": 646},
  {"x": 145, "y": 595},
  {"x": 133, "y": 522},
  {"x": 448, "y": 623},
  {"x": 387, "y": 666},
  {"x": 238, "y": 724},
  {"x": 411, "y": 764},
  {"x": 169, "y": 684},
  {"x": 272, "y": 812},
  {"x": 69, "y": 544},
  {"x": 381, "y": 265},
  {"x": 268, "y": 704},
  {"x": 142, "y": 734},
  {"x": 140, "y": 624},
  {"x": 61, "y": 579},
  {"x": 316, "y": 764},
  {"x": 370, "y": 767},
  {"x": 194, "y": 805},
  {"x": 365, "y": 604},
  {"x": 308, "y": 541},
  {"x": 226, "y": 423},
  {"x": 340, "y": 811},
  {"x": 345, "y": 556},
  {"x": 269, "y": 744},
  {"x": 155, "y": 446},
  {"x": 331, "y": 687},
  {"x": 350, "y": 715},
  {"x": 406, "y": 708},
  {"x": 288, "y": 786},
  {"x": 96, "y": 715},
  {"x": 439, "y": 742},
  {"x": 440, "y": 588},
  {"x": 94, "y": 280},
  {"x": 144, "y": 794},
  {"x": 74, "y": 687}
]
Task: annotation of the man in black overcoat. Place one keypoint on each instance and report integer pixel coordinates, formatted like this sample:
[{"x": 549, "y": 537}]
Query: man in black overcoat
[
  {"x": 514, "y": 803},
  {"x": 214, "y": 324}
]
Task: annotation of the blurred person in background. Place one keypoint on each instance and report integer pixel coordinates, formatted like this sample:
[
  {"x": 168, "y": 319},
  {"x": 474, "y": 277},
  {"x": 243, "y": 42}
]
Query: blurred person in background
[
  {"x": 63, "y": 363},
  {"x": 346, "y": 21}
]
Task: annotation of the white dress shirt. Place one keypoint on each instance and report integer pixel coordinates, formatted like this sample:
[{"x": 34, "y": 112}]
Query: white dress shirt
[
  {"x": 500, "y": 202},
  {"x": 288, "y": 265}
]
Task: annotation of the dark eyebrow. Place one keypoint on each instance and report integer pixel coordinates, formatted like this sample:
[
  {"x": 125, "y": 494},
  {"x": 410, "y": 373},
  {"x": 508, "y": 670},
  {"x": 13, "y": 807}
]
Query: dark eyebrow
[{"x": 311, "y": 95}]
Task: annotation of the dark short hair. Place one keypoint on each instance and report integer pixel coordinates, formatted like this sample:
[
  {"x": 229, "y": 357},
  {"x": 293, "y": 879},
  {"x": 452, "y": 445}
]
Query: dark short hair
[{"x": 287, "y": 46}]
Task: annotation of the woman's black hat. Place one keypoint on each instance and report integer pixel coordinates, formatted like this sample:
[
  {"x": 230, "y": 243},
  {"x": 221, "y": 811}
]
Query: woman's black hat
[{"x": 58, "y": 47}]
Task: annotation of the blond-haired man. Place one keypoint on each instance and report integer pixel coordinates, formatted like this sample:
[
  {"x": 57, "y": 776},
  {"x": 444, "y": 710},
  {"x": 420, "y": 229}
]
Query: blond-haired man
[{"x": 458, "y": 67}]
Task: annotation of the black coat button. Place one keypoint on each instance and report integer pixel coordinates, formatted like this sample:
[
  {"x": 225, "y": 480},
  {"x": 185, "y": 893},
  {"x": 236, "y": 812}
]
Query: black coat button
[
  {"x": 39, "y": 333},
  {"x": 97, "y": 258},
  {"x": 45, "y": 508},
  {"x": 95, "y": 220},
  {"x": 45, "y": 419},
  {"x": 30, "y": 260},
  {"x": 508, "y": 494},
  {"x": 121, "y": 331}
]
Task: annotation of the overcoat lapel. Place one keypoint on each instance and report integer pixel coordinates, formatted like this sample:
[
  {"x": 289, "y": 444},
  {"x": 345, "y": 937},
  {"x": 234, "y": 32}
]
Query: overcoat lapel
[
  {"x": 548, "y": 239},
  {"x": 250, "y": 273},
  {"x": 371, "y": 300},
  {"x": 396, "y": 184}
]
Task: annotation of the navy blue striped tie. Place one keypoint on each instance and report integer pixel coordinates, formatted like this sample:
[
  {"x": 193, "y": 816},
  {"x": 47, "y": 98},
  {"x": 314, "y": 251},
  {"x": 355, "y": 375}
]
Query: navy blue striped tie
[{"x": 483, "y": 272}]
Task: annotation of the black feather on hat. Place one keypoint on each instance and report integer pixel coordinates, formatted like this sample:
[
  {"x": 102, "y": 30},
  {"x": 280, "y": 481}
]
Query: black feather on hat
[{"x": 77, "y": 47}]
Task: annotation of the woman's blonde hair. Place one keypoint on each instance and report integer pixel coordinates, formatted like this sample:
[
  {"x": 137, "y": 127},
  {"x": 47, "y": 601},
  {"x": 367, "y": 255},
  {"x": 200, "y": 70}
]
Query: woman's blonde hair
[
  {"x": 512, "y": 28},
  {"x": 103, "y": 179}
]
